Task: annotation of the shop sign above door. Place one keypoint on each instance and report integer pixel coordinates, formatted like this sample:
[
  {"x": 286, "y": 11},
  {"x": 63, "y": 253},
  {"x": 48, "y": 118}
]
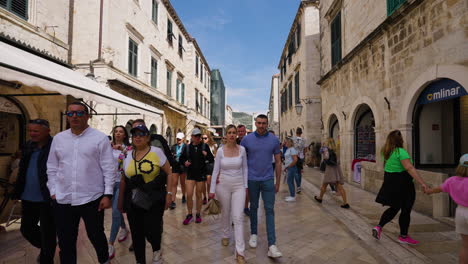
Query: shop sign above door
[
  {"x": 443, "y": 89},
  {"x": 8, "y": 106}
]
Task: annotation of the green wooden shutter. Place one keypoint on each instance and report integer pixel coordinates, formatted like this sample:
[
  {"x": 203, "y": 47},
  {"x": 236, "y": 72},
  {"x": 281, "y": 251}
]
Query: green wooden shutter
[
  {"x": 290, "y": 101},
  {"x": 154, "y": 15},
  {"x": 17, "y": 7},
  {"x": 177, "y": 90},
  {"x": 132, "y": 57},
  {"x": 154, "y": 73},
  {"x": 169, "y": 83},
  {"x": 298, "y": 34},
  {"x": 182, "y": 94},
  {"x": 296, "y": 88},
  {"x": 393, "y": 5},
  {"x": 336, "y": 39}
]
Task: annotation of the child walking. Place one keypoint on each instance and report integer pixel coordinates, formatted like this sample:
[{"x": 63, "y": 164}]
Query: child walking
[{"x": 457, "y": 188}]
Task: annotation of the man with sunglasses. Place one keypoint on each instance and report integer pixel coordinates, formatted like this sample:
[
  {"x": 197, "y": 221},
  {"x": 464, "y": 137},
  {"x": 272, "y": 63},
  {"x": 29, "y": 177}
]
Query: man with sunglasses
[
  {"x": 81, "y": 171},
  {"x": 31, "y": 188}
]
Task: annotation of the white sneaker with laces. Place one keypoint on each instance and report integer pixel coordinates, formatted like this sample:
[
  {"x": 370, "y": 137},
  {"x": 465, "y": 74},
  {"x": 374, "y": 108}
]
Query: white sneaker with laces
[
  {"x": 253, "y": 241},
  {"x": 273, "y": 252},
  {"x": 123, "y": 234},
  {"x": 157, "y": 257},
  {"x": 290, "y": 199},
  {"x": 111, "y": 252}
]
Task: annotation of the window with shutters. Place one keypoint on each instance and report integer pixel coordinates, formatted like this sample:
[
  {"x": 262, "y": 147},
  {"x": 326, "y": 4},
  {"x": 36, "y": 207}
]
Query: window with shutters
[
  {"x": 154, "y": 72},
  {"x": 196, "y": 65},
  {"x": 336, "y": 39},
  {"x": 296, "y": 88},
  {"x": 17, "y": 7},
  {"x": 197, "y": 105},
  {"x": 393, "y": 5},
  {"x": 290, "y": 98},
  {"x": 182, "y": 93},
  {"x": 170, "y": 34},
  {"x": 154, "y": 13},
  {"x": 181, "y": 46},
  {"x": 132, "y": 57},
  {"x": 201, "y": 104},
  {"x": 178, "y": 90},
  {"x": 169, "y": 83},
  {"x": 201, "y": 73}
]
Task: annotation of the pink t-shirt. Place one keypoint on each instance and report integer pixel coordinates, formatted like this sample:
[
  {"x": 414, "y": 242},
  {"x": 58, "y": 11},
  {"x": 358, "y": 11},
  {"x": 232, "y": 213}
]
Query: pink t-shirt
[{"x": 457, "y": 187}]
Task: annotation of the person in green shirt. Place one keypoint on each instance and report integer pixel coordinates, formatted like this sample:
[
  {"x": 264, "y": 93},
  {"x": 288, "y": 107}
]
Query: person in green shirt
[{"x": 397, "y": 190}]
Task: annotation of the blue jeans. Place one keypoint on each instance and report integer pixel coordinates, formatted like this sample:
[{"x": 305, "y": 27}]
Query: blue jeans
[
  {"x": 292, "y": 175},
  {"x": 117, "y": 217},
  {"x": 267, "y": 189}
]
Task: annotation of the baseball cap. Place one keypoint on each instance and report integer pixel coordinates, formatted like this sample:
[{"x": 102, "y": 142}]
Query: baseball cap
[
  {"x": 180, "y": 135},
  {"x": 141, "y": 128},
  {"x": 196, "y": 131},
  {"x": 464, "y": 160}
]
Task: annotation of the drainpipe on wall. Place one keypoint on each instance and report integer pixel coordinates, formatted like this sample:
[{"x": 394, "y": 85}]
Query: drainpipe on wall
[
  {"x": 71, "y": 10},
  {"x": 101, "y": 8}
]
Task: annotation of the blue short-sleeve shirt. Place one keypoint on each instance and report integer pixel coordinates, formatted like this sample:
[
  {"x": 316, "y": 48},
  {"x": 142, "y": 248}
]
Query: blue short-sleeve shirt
[{"x": 259, "y": 149}]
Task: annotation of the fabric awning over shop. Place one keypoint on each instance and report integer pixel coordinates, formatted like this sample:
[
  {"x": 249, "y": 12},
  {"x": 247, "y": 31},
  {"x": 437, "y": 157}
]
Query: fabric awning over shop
[{"x": 19, "y": 66}]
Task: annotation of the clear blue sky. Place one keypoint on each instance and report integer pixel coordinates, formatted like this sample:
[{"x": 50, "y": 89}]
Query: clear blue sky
[{"x": 242, "y": 38}]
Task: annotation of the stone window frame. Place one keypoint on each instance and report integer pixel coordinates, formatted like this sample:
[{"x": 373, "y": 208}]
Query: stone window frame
[
  {"x": 331, "y": 15},
  {"x": 132, "y": 59},
  {"x": 155, "y": 11}
]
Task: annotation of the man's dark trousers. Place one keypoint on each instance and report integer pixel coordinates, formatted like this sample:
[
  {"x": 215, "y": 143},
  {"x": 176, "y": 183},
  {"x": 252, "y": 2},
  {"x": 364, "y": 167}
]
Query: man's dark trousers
[
  {"x": 43, "y": 236},
  {"x": 68, "y": 221}
]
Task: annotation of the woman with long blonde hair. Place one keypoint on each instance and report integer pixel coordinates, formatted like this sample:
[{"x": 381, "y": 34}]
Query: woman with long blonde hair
[
  {"x": 397, "y": 190},
  {"x": 333, "y": 174},
  {"x": 230, "y": 170}
]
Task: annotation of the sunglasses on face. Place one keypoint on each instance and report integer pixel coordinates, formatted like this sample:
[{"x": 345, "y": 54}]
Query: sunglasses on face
[
  {"x": 39, "y": 122},
  {"x": 78, "y": 113},
  {"x": 139, "y": 134},
  {"x": 205, "y": 138}
]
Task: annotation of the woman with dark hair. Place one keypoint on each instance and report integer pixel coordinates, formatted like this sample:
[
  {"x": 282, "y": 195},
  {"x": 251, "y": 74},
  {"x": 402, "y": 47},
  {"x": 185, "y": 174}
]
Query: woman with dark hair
[
  {"x": 208, "y": 140},
  {"x": 120, "y": 145},
  {"x": 229, "y": 182},
  {"x": 145, "y": 197},
  {"x": 397, "y": 190}
]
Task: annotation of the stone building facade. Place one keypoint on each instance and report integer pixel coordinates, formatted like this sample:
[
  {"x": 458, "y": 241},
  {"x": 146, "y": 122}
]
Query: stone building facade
[
  {"x": 299, "y": 65},
  {"x": 142, "y": 49},
  {"x": 389, "y": 65}
]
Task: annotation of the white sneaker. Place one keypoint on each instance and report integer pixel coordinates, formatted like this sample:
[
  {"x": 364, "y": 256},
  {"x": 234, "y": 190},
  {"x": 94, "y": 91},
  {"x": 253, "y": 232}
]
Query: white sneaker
[
  {"x": 111, "y": 252},
  {"x": 157, "y": 257},
  {"x": 253, "y": 241},
  {"x": 273, "y": 252},
  {"x": 123, "y": 234},
  {"x": 290, "y": 199}
]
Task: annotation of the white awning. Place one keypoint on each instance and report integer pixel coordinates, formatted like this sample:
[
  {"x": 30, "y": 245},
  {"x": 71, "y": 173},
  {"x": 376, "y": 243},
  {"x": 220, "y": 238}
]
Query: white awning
[{"x": 20, "y": 66}]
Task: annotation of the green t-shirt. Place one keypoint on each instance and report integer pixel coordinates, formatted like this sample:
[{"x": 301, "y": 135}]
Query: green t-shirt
[{"x": 393, "y": 163}]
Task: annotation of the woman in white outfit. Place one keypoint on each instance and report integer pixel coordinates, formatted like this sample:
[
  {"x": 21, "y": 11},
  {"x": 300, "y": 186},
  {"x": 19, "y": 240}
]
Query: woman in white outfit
[{"x": 230, "y": 171}]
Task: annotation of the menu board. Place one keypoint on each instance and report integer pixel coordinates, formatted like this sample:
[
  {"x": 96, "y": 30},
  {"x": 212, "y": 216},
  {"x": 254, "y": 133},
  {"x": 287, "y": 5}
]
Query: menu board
[{"x": 365, "y": 144}]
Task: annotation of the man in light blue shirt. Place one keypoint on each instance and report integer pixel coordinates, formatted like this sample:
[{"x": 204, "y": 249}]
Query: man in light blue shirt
[{"x": 260, "y": 146}]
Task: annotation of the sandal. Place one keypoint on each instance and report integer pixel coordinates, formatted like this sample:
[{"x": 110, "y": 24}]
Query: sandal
[
  {"x": 345, "y": 206},
  {"x": 318, "y": 199}
]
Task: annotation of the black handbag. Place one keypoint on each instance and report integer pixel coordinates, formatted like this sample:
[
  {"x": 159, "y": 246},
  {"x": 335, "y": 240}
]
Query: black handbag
[
  {"x": 141, "y": 199},
  {"x": 332, "y": 160},
  {"x": 144, "y": 195}
]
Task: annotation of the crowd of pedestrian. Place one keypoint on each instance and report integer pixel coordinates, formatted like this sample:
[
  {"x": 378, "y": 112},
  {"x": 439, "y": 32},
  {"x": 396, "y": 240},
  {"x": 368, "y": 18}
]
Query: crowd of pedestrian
[{"x": 79, "y": 173}]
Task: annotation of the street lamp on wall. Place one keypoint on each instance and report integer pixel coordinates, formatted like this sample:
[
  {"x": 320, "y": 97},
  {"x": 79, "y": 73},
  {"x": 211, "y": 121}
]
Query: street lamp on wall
[{"x": 299, "y": 105}]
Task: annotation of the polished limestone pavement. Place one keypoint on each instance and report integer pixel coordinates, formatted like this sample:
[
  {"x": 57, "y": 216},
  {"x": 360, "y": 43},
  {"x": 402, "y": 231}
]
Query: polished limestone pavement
[{"x": 307, "y": 232}]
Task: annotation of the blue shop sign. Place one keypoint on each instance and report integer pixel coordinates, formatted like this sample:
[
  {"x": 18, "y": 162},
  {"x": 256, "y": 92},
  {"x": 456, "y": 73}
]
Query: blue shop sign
[{"x": 443, "y": 89}]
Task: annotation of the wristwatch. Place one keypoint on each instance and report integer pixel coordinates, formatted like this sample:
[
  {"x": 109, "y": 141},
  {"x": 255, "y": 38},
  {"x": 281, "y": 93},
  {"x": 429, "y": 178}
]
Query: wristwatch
[{"x": 170, "y": 193}]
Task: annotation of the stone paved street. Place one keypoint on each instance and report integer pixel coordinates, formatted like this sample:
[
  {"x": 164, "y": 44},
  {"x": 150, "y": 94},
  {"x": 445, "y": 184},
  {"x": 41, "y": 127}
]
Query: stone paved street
[{"x": 306, "y": 233}]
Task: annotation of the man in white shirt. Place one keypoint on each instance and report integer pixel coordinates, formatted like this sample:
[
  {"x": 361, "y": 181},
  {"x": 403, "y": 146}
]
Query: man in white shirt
[
  {"x": 299, "y": 145},
  {"x": 81, "y": 174}
]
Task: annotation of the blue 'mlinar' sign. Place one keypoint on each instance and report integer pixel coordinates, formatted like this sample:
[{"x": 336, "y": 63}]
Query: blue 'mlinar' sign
[{"x": 440, "y": 90}]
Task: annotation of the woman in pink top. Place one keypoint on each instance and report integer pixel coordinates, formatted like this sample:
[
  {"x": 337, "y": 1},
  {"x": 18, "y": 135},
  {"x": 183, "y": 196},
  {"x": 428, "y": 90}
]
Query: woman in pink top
[
  {"x": 457, "y": 188},
  {"x": 230, "y": 170}
]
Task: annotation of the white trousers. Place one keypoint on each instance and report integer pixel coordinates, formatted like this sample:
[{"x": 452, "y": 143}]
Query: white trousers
[{"x": 231, "y": 193}]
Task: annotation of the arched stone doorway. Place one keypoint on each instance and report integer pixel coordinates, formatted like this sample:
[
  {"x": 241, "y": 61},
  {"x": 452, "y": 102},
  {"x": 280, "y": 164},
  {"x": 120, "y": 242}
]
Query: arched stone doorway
[
  {"x": 440, "y": 119},
  {"x": 153, "y": 129},
  {"x": 364, "y": 133},
  {"x": 12, "y": 126},
  {"x": 169, "y": 135},
  {"x": 334, "y": 128}
]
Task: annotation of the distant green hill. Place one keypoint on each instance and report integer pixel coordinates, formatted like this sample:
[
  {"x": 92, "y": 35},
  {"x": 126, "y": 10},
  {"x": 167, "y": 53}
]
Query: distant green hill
[{"x": 242, "y": 118}]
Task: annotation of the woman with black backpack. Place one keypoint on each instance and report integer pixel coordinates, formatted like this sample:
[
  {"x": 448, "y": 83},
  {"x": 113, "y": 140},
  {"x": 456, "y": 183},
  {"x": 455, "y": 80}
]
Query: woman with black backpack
[{"x": 333, "y": 173}]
